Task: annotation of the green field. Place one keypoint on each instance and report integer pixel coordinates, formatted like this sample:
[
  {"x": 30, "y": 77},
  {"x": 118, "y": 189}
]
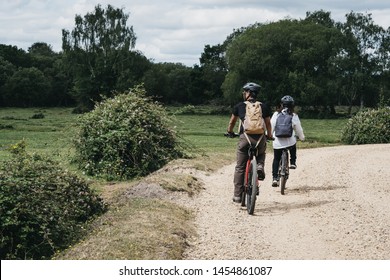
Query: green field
[
  {"x": 53, "y": 134},
  {"x": 50, "y": 135}
]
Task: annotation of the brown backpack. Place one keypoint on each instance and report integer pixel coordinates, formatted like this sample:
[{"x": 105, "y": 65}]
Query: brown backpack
[{"x": 253, "y": 122}]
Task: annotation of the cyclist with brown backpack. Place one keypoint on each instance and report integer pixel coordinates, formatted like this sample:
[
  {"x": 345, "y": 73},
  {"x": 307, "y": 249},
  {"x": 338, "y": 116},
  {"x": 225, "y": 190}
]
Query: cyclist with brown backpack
[{"x": 255, "y": 128}]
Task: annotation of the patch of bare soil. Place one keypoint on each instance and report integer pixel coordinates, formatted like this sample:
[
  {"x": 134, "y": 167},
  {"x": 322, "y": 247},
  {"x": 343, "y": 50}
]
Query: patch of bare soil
[{"x": 336, "y": 206}]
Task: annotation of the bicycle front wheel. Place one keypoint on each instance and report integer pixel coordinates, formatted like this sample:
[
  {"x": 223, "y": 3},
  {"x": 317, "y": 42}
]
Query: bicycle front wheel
[{"x": 252, "y": 188}]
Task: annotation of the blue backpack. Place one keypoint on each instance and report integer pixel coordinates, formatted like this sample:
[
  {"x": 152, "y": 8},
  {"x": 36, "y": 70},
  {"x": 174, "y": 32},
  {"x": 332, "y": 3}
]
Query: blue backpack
[{"x": 283, "y": 126}]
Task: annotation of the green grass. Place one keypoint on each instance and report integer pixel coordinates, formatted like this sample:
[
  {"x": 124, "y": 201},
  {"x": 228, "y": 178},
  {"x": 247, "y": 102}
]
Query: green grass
[
  {"x": 51, "y": 135},
  {"x": 323, "y": 132},
  {"x": 206, "y": 132}
]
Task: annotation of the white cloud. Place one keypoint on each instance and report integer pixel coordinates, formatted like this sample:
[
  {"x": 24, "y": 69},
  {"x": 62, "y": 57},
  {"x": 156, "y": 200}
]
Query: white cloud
[{"x": 167, "y": 31}]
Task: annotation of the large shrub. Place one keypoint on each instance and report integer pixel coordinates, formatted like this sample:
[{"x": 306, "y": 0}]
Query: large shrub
[
  {"x": 368, "y": 127},
  {"x": 125, "y": 137},
  {"x": 43, "y": 208}
]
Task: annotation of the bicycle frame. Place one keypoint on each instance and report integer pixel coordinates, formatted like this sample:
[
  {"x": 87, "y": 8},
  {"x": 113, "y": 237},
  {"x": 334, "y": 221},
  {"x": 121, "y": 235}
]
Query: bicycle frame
[{"x": 251, "y": 154}]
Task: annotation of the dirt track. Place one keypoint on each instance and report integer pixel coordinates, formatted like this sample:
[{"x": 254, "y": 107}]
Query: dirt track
[{"x": 336, "y": 206}]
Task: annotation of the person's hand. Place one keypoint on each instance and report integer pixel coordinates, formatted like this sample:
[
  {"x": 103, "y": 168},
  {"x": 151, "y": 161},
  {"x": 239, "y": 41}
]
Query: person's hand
[
  {"x": 230, "y": 134},
  {"x": 270, "y": 138}
]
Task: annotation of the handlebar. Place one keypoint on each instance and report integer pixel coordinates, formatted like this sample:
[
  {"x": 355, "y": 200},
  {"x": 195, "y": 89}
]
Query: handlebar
[
  {"x": 234, "y": 135},
  {"x": 231, "y": 135}
]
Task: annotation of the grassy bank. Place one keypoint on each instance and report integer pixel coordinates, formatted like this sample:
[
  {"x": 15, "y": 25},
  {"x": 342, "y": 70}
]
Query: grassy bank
[{"x": 139, "y": 228}]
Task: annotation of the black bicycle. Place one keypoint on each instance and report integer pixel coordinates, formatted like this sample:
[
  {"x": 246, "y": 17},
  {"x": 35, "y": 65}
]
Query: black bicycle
[{"x": 251, "y": 182}]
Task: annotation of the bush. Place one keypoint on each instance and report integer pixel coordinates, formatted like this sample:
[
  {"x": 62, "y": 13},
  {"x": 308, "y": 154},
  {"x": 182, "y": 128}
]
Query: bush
[
  {"x": 125, "y": 137},
  {"x": 43, "y": 208},
  {"x": 368, "y": 127},
  {"x": 38, "y": 116}
]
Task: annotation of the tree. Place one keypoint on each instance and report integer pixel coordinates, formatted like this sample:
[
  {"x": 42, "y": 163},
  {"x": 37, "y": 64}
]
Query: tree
[
  {"x": 42, "y": 56},
  {"x": 320, "y": 17},
  {"x": 27, "y": 87},
  {"x": 51, "y": 65},
  {"x": 18, "y": 57},
  {"x": 384, "y": 66},
  {"x": 286, "y": 57},
  {"x": 174, "y": 83},
  {"x": 214, "y": 68},
  {"x": 96, "y": 52},
  {"x": 360, "y": 58},
  {"x": 6, "y": 71}
]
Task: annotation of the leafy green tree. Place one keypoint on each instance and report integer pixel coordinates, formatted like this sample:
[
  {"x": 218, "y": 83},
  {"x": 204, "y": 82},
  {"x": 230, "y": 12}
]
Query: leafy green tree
[
  {"x": 51, "y": 65},
  {"x": 214, "y": 68},
  {"x": 6, "y": 71},
  {"x": 42, "y": 55},
  {"x": 384, "y": 66},
  {"x": 285, "y": 57},
  {"x": 174, "y": 83},
  {"x": 156, "y": 83},
  {"x": 18, "y": 57},
  {"x": 320, "y": 17},
  {"x": 359, "y": 61},
  {"x": 96, "y": 52},
  {"x": 27, "y": 87},
  {"x": 132, "y": 71}
]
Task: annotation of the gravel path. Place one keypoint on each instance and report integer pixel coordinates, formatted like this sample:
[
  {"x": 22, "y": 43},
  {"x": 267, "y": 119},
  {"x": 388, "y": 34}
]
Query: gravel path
[{"x": 336, "y": 207}]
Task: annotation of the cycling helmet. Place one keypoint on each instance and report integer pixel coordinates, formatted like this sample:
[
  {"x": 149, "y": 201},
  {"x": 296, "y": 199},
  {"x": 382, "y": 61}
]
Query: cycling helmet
[
  {"x": 252, "y": 87},
  {"x": 287, "y": 101}
]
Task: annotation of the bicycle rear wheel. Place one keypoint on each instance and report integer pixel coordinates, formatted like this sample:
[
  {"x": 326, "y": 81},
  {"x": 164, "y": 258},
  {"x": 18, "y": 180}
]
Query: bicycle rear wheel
[
  {"x": 252, "y": 187},
  {"x": 284, "y": 172},
  {"x": 243, "y": 197}
]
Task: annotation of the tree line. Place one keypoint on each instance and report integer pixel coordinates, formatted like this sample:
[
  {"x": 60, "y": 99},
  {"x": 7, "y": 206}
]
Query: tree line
[{"x": 320, "y": 62}]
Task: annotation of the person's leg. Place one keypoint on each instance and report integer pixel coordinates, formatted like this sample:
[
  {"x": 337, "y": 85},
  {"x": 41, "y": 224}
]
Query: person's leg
[
  {"x": 260, "y": 157},
  {"x": 275, "y": 166},
  {"x": 239, "y": 172},
  {"x": 293, "y": 156}
]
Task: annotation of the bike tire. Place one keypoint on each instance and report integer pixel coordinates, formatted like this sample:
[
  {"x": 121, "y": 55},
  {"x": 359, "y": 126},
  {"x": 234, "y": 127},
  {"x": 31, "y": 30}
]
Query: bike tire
[
  {"x": 284, "y": 172},
  {"x": 252, "y": 188},
  {"x": 243, "y": 197},
  {"x": 283, "y": 181}
]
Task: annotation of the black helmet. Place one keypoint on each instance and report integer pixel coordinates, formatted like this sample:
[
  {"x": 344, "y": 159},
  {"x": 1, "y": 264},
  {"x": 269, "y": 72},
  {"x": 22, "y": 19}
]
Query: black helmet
[
  {"x": 252, "y": 87},
  {"x": 287, "y": 101}
]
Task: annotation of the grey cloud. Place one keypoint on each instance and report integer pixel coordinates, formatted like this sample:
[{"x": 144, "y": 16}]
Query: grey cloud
[{"x": 171, "y": 31}]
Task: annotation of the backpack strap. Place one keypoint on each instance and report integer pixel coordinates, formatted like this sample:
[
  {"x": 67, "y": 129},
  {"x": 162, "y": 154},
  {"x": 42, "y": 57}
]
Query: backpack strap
[{"x": 258, "y": 141}]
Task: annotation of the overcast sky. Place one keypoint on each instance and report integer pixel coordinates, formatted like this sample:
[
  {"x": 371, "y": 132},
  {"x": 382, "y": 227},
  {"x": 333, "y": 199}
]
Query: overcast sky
[{"x": 168, "y": 31}]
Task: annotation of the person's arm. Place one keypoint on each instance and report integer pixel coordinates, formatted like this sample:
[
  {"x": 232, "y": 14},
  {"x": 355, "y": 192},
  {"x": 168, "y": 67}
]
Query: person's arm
[
  {"x": 298, "y": 128},
  {"x": 267, "y": 121},
  {"x": 232, "y": 123}
]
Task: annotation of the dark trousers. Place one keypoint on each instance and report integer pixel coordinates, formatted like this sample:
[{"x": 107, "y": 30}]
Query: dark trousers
[
  {"x": 242, "y": 157},
  {"x": 278, "y": 156}
]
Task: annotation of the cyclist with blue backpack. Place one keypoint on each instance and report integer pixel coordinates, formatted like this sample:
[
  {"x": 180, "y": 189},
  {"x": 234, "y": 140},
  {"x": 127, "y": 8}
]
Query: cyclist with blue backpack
[{"x": 286, "y": 127}]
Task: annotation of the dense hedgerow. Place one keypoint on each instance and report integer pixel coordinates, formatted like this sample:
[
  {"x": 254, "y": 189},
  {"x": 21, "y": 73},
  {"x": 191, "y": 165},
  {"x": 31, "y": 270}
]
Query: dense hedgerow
[
  {"x": 368, "y": 127},
  {"x": 43, "y": 208},
  {"x": 125, "y": 137}
]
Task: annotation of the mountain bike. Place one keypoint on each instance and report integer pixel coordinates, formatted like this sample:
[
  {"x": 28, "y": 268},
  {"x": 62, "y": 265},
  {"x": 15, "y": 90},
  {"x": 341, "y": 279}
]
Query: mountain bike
[
  {"x": 283, "y": 171},
  {"x": 251, "y": 182}
]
